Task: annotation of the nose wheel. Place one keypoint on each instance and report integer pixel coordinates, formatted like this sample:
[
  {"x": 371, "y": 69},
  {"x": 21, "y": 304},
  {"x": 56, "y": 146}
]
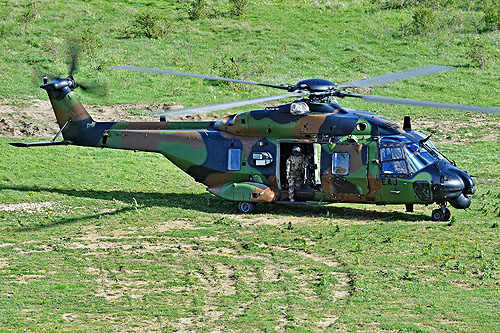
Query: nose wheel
[
  {"x": 246, "y": 207},
  {"x": 441, "y": 214}
]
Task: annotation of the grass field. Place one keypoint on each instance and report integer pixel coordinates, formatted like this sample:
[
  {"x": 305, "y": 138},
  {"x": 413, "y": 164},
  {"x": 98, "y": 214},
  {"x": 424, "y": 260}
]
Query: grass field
[
  {"x": 121, "y": 241},
  {"x": 136, "y": 244}
]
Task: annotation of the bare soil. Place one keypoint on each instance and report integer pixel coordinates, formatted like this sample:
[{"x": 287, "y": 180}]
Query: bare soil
[{"x": 35, "y": 118}]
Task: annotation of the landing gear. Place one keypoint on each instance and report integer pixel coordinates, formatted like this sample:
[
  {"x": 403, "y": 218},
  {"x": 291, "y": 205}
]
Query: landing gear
[
  {"x": 441, "y": 214},
  {"x": 447, "y": 214},
  {"x": 246, "y": 207}
]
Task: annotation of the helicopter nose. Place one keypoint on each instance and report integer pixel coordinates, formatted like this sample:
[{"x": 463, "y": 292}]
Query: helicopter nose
[
  {"x": 463, "y": 200},
  {"x": 468, "y": 182},
  {"x": 454, "y": 187},
  {"x": 450, "y": 187}
]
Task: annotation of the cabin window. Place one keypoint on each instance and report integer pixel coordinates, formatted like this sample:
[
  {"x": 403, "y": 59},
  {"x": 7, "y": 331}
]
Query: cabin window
[
  {"x": 234, "y": 159},
  {"x": 340, "y": 163},
  {"x": 393, "y": 161}
]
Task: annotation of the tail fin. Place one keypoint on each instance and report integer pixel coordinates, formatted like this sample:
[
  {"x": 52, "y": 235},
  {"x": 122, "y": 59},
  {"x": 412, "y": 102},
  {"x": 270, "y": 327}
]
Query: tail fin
[{"x": 71, "y": 116}]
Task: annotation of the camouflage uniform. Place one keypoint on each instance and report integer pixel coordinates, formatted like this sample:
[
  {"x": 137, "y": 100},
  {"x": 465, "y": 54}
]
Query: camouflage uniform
[{"x": 294, "y": 172}]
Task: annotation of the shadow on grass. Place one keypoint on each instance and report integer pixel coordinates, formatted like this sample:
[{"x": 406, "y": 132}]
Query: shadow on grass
[
  {"x": 71, "y": 219},
  {"x": 207, "y": 203}
]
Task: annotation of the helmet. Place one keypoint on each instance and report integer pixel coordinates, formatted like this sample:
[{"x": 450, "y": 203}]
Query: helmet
[{"x": 296, "y": 150}]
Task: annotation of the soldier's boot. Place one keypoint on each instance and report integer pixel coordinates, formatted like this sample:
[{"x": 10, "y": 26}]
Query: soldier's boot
[{"x": 291, "y": 190}]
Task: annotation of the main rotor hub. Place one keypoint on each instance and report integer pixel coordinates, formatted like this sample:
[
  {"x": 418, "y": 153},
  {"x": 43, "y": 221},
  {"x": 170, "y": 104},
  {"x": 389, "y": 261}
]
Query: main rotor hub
[{"x": 316, "y": 85}]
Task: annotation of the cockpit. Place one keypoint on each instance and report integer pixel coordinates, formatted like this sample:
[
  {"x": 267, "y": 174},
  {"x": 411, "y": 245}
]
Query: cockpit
[{"x": 399, "y": 158}]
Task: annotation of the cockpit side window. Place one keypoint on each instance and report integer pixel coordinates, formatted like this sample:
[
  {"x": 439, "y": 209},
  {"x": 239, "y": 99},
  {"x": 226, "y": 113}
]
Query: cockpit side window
[{"x": 393, "y": 160}]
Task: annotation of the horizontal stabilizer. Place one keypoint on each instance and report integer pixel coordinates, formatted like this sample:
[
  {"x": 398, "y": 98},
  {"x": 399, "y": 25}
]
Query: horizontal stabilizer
[{"x": 38, "y": 144}]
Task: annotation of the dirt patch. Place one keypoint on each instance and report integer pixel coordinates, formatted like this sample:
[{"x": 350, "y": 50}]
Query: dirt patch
[
  {"x": 35, "y": 118},
  {"x": 69, "y": 317},
  {"x": 28, "y": 207},
  {"x": 129, "y": 323},
  {"x": 20, "y": 118},
  {"x": 480, "y": 127},
  {"x": 307, "y": 255},
  {"x": 4, "y": 263},
  {"x": 166, "y": 226},
  {"x": 220, "y": 275},
  {"x": 270, "y": 220}
]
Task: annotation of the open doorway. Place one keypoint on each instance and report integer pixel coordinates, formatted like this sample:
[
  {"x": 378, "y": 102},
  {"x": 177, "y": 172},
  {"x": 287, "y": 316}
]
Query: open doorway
[{"x": 312, "y": 154}]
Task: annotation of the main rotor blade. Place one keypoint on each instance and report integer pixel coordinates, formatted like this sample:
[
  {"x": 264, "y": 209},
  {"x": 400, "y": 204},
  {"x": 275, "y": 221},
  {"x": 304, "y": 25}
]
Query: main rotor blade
[
  {"x": 414, "y": 102},
  {"x": 200, "y": 76},
  {"x": 230, "y": 105},
  {"x": 387, "y": 78}
]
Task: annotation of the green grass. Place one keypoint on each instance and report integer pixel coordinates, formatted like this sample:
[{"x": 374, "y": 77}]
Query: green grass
[
  {"x": 116, "y": 241},
  {"x": 135, "y": 243},
  {"x": 275, "y": 41}
]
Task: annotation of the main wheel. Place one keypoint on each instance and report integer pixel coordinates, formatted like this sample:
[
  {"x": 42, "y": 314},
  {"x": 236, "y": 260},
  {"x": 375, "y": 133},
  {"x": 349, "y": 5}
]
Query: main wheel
[
  {"x": 246, "y": 207},
  {"x": 438, "y": 214}
]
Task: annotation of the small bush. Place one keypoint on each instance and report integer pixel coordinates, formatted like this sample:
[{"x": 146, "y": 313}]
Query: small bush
[
  {"x": 423, "y": 20},
  {"x": 488, "y": 269},
  {"x": 402, "y": 4},
  {"x": 477, "y": 54},
  {"x": 492, "y": 15},
  {"x": 148, "y": 24},
  {"x": 239, "y": 7},
  {"x": 198, "y": 9},
  {"x": 394, "y": 4},
  {"x": 409, "y": 276},
  {"x": 228, "y": 67}
]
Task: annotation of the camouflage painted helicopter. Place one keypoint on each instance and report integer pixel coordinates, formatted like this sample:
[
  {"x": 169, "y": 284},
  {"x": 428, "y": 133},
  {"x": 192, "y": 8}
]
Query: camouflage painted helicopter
[{"x": 354, "y": 156}]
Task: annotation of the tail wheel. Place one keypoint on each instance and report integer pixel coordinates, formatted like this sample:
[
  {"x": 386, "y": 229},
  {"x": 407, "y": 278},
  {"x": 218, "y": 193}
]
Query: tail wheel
[{"x": 246, "y": 207}]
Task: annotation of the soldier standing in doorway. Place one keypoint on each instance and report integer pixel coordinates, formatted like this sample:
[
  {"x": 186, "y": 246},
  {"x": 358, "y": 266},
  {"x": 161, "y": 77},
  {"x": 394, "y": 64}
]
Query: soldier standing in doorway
[{"x": 295, "y": 171}]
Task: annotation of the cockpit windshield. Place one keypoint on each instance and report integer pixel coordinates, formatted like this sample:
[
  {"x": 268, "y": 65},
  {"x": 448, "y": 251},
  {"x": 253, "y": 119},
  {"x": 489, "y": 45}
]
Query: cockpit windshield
[
  {"x": 403, "y": 159},
  {"x": 430, "y": 146},
  {"x": 419, "y": 156}
]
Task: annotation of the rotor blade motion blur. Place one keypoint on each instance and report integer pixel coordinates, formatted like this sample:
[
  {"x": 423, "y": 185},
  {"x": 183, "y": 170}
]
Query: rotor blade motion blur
[
  {"x": 200, "y": 76},
  {"x": 73, "y": 52},
  {"x": 387, "y": 78},
  {"x": 230, "y": 105},
  {"x": 414, "y": 102}
]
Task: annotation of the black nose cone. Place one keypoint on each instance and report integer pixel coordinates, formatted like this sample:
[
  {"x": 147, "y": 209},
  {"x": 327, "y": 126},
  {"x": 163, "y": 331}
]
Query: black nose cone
[
  {"x": 468, "y": 182},
  {"x": 454, "y": 186},
  {"x": 461, "y": 202},
  {"x": 450, "y": 186}
]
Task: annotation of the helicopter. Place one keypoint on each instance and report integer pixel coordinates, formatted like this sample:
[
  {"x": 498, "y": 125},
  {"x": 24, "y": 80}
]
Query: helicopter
[{"x": 353, "y": 156}]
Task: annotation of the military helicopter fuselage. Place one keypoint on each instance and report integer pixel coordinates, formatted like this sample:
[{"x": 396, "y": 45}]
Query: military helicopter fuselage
[{"x": 353, "y": 156}]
